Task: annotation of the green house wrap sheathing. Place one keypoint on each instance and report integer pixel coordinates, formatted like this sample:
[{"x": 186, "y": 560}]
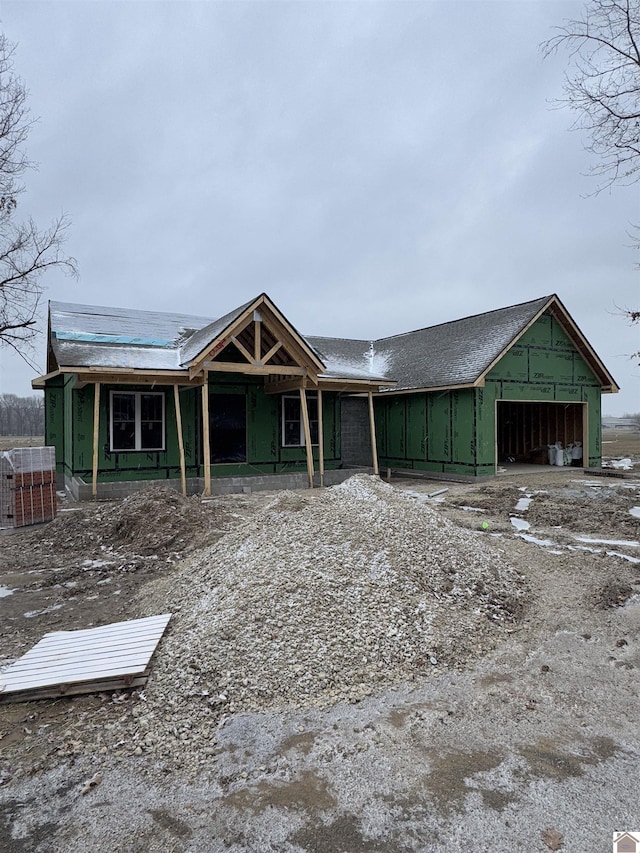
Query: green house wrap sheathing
[
  {"x": 454, "y": 430},
  {"x": 264, "y": 453}
]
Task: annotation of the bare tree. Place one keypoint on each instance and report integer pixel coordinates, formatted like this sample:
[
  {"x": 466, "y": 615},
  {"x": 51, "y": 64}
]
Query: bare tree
[
  {"x": 21, "y": 415},
  {"x": 603, "y": 85},
  {"x": 25, "y": 251}
]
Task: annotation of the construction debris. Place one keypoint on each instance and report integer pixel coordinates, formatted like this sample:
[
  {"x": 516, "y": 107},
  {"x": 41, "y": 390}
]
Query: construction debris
[{"x": 69, "y": 662}]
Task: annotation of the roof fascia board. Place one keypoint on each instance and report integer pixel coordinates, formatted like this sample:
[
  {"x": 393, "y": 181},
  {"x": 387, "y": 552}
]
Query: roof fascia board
[
  {"x": 88, "y": 375},
  {"x": 293, "y": 343},
  {"x": 332, "y": 383},
  {"x": 305, "y": 347},
  {"x": 428, "y": 390},
  {"x": 39, "y": 382},
  {"x": 609, "y": 385},
  {"x": 234, "y": 328},
  {"x": 52, "y": 361}
]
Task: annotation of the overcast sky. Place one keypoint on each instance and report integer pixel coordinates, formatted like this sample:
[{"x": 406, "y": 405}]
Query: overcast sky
[{"x": 373, "y": 167}]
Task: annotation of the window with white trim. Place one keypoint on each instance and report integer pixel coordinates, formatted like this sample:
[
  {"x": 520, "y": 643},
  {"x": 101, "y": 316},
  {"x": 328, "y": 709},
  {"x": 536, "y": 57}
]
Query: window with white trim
[
  {"x": 137, "y": 420},
  {"x": 292, "y": 425}
]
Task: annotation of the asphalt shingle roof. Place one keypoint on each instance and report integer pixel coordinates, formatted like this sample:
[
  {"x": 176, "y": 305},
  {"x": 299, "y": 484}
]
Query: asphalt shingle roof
[
  {"x": 454, "y": 353},
  {"x": 447, "y": 355}
]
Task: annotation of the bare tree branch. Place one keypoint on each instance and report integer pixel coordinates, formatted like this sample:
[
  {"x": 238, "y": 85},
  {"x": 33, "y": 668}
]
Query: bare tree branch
[
  {"x": 604, "y": 89},
  {"x": 26, "y": 252},
  {"x": 603, "y": 86}
]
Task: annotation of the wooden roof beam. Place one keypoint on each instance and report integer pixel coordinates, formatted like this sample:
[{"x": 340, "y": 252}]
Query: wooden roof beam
[
  {"x": 243, "y": 350},
  {"x": 274, "y": 349},
  {"x": 285, "y": 385},
  {"x": 254, "y": 369}
]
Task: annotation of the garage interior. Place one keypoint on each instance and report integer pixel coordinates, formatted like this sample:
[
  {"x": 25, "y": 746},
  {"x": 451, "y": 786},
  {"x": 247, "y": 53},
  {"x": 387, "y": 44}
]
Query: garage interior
[{"x": 524, "y": 431}]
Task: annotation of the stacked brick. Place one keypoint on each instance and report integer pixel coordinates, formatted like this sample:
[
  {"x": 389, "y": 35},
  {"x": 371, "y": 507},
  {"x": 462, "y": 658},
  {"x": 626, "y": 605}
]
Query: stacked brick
[{"x": 27, "y": 486}]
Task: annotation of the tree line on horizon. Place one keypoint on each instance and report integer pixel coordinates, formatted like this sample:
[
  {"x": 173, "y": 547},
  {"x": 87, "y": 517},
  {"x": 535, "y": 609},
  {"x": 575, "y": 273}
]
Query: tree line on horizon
[{"x": 21, "y": 415}]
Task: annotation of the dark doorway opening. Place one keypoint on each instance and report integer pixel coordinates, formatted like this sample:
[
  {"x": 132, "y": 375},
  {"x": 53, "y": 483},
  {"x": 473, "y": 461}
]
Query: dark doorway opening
[
  {"x": 526, "y": 431},
  {"x": 228, "y": 428}
]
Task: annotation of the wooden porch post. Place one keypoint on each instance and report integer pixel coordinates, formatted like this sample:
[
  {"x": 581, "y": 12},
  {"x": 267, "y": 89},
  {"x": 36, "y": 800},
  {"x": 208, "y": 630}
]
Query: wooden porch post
[
  {"x": 96, "y": 435},
  {"x": 205, "y": 434},
  {"x": 183, "y": 473},
  {"x": 307, "y": 435},
  {"x": 372, "y": 426},
  {"x": 320, "y": 439}
]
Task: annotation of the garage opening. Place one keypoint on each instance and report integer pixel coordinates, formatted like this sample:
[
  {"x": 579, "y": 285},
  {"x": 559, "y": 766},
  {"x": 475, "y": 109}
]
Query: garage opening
[{"x": 527, "y": 431}]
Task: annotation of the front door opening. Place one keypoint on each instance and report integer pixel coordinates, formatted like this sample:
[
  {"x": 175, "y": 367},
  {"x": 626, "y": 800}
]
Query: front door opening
[{"x": 228, "y": 428}]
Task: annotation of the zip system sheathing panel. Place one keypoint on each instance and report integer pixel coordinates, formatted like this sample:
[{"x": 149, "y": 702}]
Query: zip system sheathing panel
[{"x": 67, "y": 662}]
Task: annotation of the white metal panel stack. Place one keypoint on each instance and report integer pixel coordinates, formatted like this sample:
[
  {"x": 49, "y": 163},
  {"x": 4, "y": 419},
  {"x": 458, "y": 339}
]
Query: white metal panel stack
[{"x": 66, "y": 662}]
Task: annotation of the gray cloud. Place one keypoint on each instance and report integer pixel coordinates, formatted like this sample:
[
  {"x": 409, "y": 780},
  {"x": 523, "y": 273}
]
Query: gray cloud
[{"x": 374, "y": 167}]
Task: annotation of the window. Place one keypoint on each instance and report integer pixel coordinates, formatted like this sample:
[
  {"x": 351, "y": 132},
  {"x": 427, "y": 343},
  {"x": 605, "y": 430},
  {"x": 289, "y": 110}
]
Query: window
[
  {"x": 137, "y": 420},
  {"x": 292, "y": 426}
]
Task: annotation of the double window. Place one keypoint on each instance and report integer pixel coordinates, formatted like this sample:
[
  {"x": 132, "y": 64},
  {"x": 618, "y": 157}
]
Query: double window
[
  {"x": 137, "y": 420},
  {"x": 292, "y": 424}
]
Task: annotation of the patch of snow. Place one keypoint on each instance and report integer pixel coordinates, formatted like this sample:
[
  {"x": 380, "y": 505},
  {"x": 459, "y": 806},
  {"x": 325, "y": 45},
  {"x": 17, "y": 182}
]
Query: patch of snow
[
  {"x": 623, "y": 556},
  {"x": 520, "y": 523},
  {"x": 31, "y": 613},
  {"x": 472, "y": 509},
  {"x": 533, "y": 539},
  {"x": 94, "y": 564},
  {"x": 523, "y": 504},
  {"x": 418, "y": 496},
  {"x": 378, "y": 362},
  {"x": 622, "y": 464},
  {"x": 372, "y": 364},
  {"x": 584, "y": 548},
  {"x": 5, "y": 591},
  {"x": 635, "y": 511},
  {"x": 629, "y": 543}
]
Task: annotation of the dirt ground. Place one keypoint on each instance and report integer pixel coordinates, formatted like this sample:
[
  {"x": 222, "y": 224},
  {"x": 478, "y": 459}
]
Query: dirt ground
[{"x": 533, "y": 746}]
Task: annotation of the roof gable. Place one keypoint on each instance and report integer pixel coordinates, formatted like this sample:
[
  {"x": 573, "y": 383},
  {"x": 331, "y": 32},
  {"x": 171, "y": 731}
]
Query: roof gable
[{"x": 259, "y": 332}]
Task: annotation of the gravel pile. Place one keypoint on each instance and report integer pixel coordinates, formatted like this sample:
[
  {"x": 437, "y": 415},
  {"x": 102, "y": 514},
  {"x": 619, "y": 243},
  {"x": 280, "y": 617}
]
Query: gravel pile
[{"x": 322, "y": 599}]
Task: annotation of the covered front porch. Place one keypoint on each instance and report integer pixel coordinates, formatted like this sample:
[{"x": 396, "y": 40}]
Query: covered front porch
[{"x": 250, "y": 407}]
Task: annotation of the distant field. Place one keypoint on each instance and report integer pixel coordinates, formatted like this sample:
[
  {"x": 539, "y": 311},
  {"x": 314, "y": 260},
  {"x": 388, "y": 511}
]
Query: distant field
[
  {"x": 619, "y": 442},
  {"x": 7, "y": 442}
]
